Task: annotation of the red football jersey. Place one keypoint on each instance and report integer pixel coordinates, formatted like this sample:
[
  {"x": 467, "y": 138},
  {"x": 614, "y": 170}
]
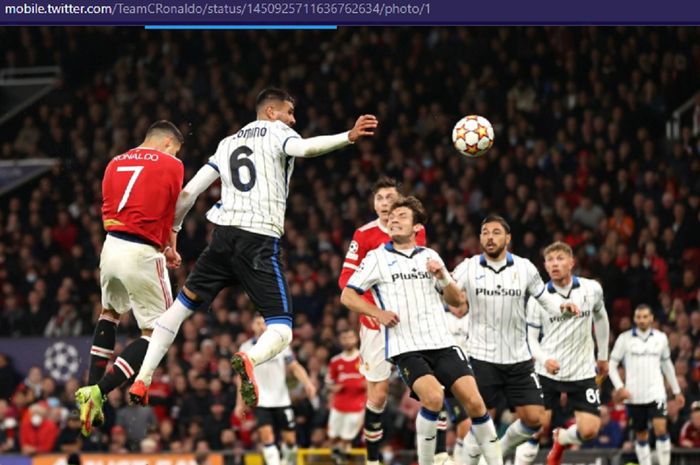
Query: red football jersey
[
  {"x": 366, "y": 238},
  {"x": 139, "y": 191},
  {"x": 690, "y": 433},
  {"x": 345, "y": 371}
]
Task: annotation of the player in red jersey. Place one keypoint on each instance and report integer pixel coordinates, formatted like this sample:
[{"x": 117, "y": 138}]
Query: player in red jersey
[
  {"x": 374, "y": 366},
  {"x": 349, "y": 393},
  {"x": 139, "y": 191}
]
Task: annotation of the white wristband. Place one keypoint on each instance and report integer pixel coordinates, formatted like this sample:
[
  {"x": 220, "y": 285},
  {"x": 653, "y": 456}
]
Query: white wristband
[{"x": 445, "y": 281}]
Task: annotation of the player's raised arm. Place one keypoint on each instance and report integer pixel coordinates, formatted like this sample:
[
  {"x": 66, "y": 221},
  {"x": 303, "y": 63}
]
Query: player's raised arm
[
  {"x": 319, "y": 145},
  {"x": 450, "y": 292},
  {"x": 206, "y": 175}
]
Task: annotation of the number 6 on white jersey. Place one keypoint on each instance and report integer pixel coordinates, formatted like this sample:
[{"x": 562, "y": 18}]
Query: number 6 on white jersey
[{"x": 136, "y": 170}]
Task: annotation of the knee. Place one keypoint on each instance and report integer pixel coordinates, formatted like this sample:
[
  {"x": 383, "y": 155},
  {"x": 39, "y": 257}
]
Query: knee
[
  {"x": 588, "y": 432},
  {"x": 432, "y": 401},
  {"x": 532, "y": 419},
  {"x": 284, "y": 332},
  {"x": 376, "y": 394},
  {"x": 474, "y": 406}
]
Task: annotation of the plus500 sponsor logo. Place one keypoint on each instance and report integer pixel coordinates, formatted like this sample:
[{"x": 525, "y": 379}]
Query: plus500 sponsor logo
[{"x": 499, "y": 292}]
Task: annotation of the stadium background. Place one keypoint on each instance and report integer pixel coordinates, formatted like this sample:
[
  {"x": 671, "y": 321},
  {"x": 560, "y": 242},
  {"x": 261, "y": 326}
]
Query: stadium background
[{"x": 581, "y": 155}]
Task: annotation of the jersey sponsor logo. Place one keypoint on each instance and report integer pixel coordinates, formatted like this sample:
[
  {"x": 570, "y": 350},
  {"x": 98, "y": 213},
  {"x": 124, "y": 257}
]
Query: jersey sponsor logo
[
  {"x": 137, "y": 156},
  {"x": 500, "y": 291},
  {"x": 584, "y": 314},
  {"x": 251, "y": 132},
  {"x": 414, "y": 274}
]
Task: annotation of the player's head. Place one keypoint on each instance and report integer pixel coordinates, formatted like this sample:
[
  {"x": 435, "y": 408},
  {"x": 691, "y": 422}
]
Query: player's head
[
  {"x": 164, "y": 136},
  {"x": 495, "y": 236},
  {"x": 258, "y": 325},
  {"x": 348, "y": 339},
  {"x": 385, "y": 192},
  {"x": 406, "y": 217},
  {"x": 275, "y": 104},
  {"x": 643, "y": 317},
  {"x": 558, "y": 260}
]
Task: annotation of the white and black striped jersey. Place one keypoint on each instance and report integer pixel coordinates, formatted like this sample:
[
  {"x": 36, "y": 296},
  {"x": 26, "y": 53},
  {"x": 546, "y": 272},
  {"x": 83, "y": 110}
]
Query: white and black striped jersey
[
  {"x": 459, "y": 328},
  {"x": 644, "y": 357},
  {"x": 255, "y": 172},
  {"x": 271, "y": 377},
  {"x": 400, "y": 282},
  {"x": 496, "y": 295},
  {"x": 568, "y": 339}
]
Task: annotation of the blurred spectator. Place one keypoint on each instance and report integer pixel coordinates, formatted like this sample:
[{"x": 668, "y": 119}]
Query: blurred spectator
[
  {"x": 8, "y": 377},
  {"x": 69, "y": 439},
  {"x": 37, "y": 433},
  {"x": 8, "y": 429},
  {"x": 690, "y": 433},
  {"x": 136, "y": 421}
]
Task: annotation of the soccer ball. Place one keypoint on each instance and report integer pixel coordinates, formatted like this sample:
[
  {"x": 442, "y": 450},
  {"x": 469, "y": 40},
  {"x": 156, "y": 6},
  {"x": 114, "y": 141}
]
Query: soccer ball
[{"x": 472, "y": 136}]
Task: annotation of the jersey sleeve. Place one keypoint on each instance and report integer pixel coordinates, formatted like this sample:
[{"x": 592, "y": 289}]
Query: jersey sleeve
[
  {"x": 618, "y": 352},
  {"x": 356, "y": 252},
  {"x": 288, "y": 355},
  {"x": 533, "y": 313},
  {"x": 218, "y": 157},
  {"x": 282, "y": 134},
  {"x": 332, "y": 375},
  {"x": 421, "y": 237},
  {"x": 367, "y": 275},
  {"x": 599, "y": 298},
  {"x": 535, "y": 285}
]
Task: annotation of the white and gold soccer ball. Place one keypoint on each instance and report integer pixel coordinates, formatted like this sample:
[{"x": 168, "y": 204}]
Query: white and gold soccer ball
[{"x": 472, "y": 136}]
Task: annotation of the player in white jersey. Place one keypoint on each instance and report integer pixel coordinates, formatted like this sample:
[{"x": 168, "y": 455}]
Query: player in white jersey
[
  {"x": 646, "y": 356},
  {"x": 409, "y": 284},
  {"x": 375, "y": 367},
  {"x": 255, "y": 165},
  {"x": 274, "y": 413},
  {"x": 565, "y": 359},
  {"x": 497, "y": 284},
  {"x": 458, "y": 324}
]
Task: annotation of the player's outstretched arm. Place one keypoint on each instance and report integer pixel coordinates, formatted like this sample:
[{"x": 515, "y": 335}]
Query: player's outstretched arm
[
  {"x": 352, "y": 300},
  {"x": 198, "y": 184},
  {"x": 320, "y": 145}
]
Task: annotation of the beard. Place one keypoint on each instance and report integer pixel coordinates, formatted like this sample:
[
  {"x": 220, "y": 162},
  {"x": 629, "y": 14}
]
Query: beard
[
  {"x": 496, "y": 253},
  {"x": 400, "y": 239}
]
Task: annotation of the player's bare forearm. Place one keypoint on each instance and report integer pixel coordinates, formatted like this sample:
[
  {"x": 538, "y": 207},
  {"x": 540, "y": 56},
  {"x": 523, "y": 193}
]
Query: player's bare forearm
[
  {"x": 352, "y": 300},
  {"x": 300, "y": 373},
  {"x": 453, "y": 296}
]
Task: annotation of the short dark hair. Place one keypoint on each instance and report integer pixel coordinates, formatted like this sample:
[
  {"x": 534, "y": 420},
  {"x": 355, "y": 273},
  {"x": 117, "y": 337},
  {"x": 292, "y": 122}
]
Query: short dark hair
[
  {"x": 385, "y": 182},
  {"x": 496, "y": 219},
  {"x": 641, "y": 307},
  {"x": 413, "y": 204},
  {"x": 165, "y": 127},
  {"x": 272, "y": 93}
]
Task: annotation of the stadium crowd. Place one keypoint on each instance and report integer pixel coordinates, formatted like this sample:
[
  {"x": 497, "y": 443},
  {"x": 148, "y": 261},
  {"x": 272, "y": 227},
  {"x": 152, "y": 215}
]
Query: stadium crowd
[{"x": 580, "y": 156}]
